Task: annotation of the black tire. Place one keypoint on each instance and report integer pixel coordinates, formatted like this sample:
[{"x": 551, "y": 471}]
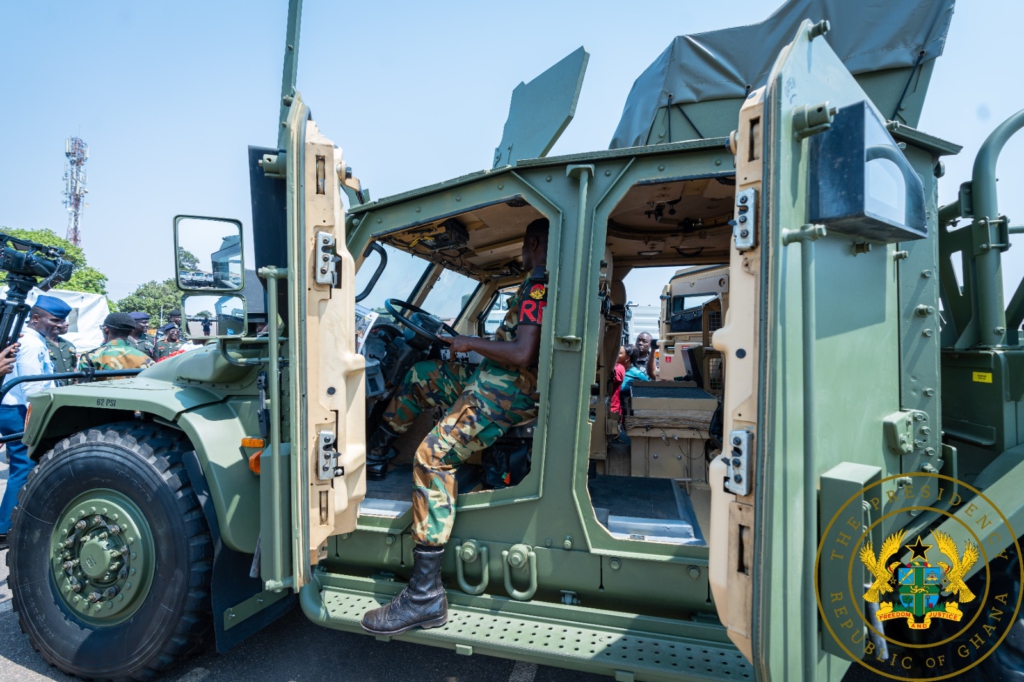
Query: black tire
[{"x": 142, "y": 462}]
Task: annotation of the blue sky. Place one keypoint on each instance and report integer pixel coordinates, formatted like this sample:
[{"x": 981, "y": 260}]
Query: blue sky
[{"x": 168, "y": 96}]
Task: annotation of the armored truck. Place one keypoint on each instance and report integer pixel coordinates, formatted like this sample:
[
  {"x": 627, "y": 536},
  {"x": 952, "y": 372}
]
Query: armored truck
[{"x": 203, "y": 498}]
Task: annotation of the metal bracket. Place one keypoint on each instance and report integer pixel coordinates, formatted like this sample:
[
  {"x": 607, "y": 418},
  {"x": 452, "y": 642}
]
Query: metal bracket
[
  {"x": 738, "y": 482},
  {"x": 569, "y": 343},
  {"x": 743, "y": 229},
  {"x": 273, "y": 165},
  {"x": 811, "y": 119},
  {"x": 327, "y": 457},
  {"x": 899, "y": 428},
  {"x": 326, "y": 261}
]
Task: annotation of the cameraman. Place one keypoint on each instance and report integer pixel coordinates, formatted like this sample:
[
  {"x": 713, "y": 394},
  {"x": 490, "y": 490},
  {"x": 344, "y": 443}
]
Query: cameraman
[{"x": 33, "y": 358}]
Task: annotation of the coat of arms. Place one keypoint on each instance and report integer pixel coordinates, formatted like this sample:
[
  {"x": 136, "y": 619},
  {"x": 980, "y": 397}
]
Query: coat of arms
[{"x": 919, "y": 584}]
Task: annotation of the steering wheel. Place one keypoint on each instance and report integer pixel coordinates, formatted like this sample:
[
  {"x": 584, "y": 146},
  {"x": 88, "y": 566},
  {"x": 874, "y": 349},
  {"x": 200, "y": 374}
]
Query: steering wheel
[{"x": 397, "y": 309}]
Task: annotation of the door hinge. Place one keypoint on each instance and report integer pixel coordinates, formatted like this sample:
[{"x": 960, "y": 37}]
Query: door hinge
[
  {"x": 327, "y": 460},
  {"x": 743, "y": 227}
]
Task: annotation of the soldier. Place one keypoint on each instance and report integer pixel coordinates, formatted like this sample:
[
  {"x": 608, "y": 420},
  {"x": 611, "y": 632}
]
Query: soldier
[
  {"x": 62, "y": 352},
  {"x": 140, "y": 337},
  {"x": 33, "y": 359},
  {"x": 481, "y": 406},
  {"x": 115, "y": 353},
  {"x": 173, "y": 320},
  {"x": 167, "y": 345}
]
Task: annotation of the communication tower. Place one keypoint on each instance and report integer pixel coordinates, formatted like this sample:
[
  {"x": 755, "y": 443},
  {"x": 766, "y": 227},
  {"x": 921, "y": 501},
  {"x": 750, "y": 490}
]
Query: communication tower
[{"x": 77, "y": 152}]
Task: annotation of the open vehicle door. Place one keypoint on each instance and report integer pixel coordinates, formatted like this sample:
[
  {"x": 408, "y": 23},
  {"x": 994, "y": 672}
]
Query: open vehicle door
[
  {"x": 312, "y": 491},
  {"x": 813, "y": 371}
]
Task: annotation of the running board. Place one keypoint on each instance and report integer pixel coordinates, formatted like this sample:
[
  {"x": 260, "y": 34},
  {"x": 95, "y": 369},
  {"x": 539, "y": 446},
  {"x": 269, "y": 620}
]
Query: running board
[{"x": 552, "y": 636}]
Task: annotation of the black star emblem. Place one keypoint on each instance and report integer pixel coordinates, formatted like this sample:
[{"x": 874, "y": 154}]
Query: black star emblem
[{"x": 919, "y": 549}]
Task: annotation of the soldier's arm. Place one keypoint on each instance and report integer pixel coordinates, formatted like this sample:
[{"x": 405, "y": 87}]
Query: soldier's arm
[{"x": 522, "y": 352}]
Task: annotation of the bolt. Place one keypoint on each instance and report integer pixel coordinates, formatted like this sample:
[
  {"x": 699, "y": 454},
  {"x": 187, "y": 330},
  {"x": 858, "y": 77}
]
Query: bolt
[
  {"x": 94, "y": 597},
  {"x": 1000, "y": 330},
  {"x": 926, "y": 273},
  {"x": 738, "y": 478},
  {"x": 924, "y": 310},
  {"x": 389, "y": 540},
  {"x": 114, "y": 566},
  {"x": 737, "y": 441},
  {"x": 743, "y": 199},
  {"x": 655, "y": 455},
  {"x": 679, "y": 456},
  {"x": 925, "y": 430},
  {"x": 80, "y": 525},
  {"x": 900, "y": 255},
  {"x": 96, "y": 520},
  {"x": 742, "y": 218},
  {"x": 929, "y": 392},
  {"x": 115, "y": 529},
  {"x": 615, "y": 564},
  {"x": 930, "y": 452},
  {"x": 694, "y": 572},
  {"x": 568, "y": 542},
  {"x": 744, "y": 234},
  {"x": 68, "y": 565},
  {"x": 128, "y": 586},
  {"x": 124, "y": 551},
  {"x": 927, "y": 332}
]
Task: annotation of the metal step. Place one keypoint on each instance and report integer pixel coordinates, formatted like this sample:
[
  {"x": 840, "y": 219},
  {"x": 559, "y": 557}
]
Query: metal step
[{"x": 544, "y": 640}]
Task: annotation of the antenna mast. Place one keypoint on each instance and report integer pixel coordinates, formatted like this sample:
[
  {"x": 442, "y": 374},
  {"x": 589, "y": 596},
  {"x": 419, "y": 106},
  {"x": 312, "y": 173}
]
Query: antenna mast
[{"x": 77, "y": 152}]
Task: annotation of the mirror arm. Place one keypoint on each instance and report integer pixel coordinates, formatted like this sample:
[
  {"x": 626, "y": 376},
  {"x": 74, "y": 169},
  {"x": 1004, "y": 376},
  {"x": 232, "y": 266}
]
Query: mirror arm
[
  {"x": 222, "y": 344},
  {"x": 374, "y": 246}
]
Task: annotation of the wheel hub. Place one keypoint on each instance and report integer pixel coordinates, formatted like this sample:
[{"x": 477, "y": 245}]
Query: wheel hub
[{"x": 102, "y": 556}]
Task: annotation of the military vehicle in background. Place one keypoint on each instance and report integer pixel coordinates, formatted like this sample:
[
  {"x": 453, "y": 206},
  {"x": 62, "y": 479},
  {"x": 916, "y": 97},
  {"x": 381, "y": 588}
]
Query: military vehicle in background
[
  {"x": 209, "y": 494},
  {"x": 691, "y": 311}
]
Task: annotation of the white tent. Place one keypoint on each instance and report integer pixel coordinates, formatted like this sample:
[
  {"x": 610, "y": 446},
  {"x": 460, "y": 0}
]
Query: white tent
[{"x": 87, "y": 314}]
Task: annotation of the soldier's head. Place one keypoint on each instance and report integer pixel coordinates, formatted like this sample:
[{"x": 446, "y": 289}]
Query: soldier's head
[
  {"x": 173, "y": 335},
  {"x": 117, "y": 326},
  {"x": 535, "y": 244},
  {"x": 141, "y": 323},
  {"x": 174, "y": 317},
  {"x": 62, "y": 328},
  {"x": 47, "y": 314}
]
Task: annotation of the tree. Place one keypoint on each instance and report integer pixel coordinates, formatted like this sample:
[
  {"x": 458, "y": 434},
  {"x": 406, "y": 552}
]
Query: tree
[
  {"x": 187, "y": 260},
  {"x": 155, "y": 298},
  {"x": 84, "y": 277}
]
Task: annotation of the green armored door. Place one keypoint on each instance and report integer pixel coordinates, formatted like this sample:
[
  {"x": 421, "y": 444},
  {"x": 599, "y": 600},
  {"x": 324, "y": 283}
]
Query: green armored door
[
  {"x": 315, "y": 489},
  {"x": 812, "y": 341}
]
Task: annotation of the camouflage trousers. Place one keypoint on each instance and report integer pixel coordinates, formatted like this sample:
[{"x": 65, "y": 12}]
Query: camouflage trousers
[{"x": 480, "y": 407}]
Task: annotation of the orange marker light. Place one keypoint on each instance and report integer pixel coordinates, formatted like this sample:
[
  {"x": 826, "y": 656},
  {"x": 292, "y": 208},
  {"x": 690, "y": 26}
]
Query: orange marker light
[
  {"x": 254, "y": 443},
  {"x": 28, "y": 415},
  {"x": 254, "y": 462}
]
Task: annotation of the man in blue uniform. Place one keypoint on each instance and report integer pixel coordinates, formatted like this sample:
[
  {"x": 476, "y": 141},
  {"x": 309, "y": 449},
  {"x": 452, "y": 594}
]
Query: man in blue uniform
[{"x": 47, "y": 314}]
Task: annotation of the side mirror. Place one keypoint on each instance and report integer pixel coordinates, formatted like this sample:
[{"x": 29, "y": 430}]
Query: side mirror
[
  {"x": 208, "y": 253},
  {"x": 204, "y": 316}
]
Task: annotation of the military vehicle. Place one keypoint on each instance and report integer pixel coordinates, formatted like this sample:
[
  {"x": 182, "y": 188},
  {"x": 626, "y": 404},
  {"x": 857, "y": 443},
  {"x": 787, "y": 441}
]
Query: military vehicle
[
  {"x": 206, "y": 496},
  {"x": 691, "y": 311}
]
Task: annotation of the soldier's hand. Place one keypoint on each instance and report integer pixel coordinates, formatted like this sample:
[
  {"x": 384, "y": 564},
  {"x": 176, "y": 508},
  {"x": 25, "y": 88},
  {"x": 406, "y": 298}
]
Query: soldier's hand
[
  {"x": 7, "y": 358},
  {"x": 461, "y": 344}
]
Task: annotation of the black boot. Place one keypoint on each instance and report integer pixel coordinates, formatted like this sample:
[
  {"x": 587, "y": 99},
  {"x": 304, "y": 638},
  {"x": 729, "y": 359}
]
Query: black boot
[
  {"x": 379, "y": 452},
  {"x": 422, "y": 604}
]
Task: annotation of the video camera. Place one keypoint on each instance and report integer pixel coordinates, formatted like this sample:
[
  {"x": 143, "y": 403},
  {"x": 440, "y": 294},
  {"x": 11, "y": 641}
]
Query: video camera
[{"x": 25, "y": 263}]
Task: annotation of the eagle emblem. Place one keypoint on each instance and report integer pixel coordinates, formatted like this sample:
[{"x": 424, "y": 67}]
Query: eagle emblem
[{"x": 918, "y": 583}]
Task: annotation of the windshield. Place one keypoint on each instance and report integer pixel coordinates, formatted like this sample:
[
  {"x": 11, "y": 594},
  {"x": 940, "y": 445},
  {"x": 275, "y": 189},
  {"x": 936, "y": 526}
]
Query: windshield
[
  {"x": 398, "y": 280},
  {"x": 449, "y": 295},
  {"x": 681, "y": 303}
]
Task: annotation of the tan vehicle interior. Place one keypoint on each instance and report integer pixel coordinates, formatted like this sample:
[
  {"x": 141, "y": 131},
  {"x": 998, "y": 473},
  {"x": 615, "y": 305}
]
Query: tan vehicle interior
[{"x": 650, "y": 482}]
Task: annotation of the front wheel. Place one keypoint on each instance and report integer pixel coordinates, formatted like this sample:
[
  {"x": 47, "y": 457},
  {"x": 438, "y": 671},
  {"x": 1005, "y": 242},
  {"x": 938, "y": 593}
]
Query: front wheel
[{"x": 110, "y": 555}]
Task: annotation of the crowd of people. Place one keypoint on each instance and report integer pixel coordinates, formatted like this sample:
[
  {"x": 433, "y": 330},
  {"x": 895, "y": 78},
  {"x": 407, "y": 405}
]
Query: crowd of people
[
  {"x": 42, "y": 351},
  {"x": 635, "y": 363}
]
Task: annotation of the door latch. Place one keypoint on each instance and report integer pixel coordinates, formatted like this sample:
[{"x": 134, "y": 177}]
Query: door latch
[
  {"x": 327, "y": 263},
  {"x": 743, "y": 227},
  {"x": 738, "y": 480},
  {"x": 327, "y": 453}
]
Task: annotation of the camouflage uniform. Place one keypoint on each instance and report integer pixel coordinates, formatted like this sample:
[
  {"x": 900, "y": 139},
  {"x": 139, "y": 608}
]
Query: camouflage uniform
[
  {"x": 114, "y": 354},
  {"x": 144, "y": 343},
  {"x": 64, "y": 357},
  {"x": 480, "y": 407},
  {"x": 163, "y": 348}
]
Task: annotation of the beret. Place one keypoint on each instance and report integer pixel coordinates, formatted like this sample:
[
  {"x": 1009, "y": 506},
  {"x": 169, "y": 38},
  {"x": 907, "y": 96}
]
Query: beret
[
  {"x": 53, "y": 305},
  {"x": 139, "y": 316},
  {"x": 119, "y": 321}
]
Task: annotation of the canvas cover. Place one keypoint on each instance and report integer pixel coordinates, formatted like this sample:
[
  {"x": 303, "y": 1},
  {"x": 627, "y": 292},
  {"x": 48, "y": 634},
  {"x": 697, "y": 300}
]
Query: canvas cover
[{"x": 868, "y": 35}]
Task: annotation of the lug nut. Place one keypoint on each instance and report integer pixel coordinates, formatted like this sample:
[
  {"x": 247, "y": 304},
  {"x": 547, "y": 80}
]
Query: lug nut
[
  {"x": 68, "y": 565},
  {"x": 94, "y": 597},
  {"x": 115, "y": 529},
  {"x": 124, "y": 550},
  {"x": 80, "y": 525},
  {"x": 97, "y": 520}
]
